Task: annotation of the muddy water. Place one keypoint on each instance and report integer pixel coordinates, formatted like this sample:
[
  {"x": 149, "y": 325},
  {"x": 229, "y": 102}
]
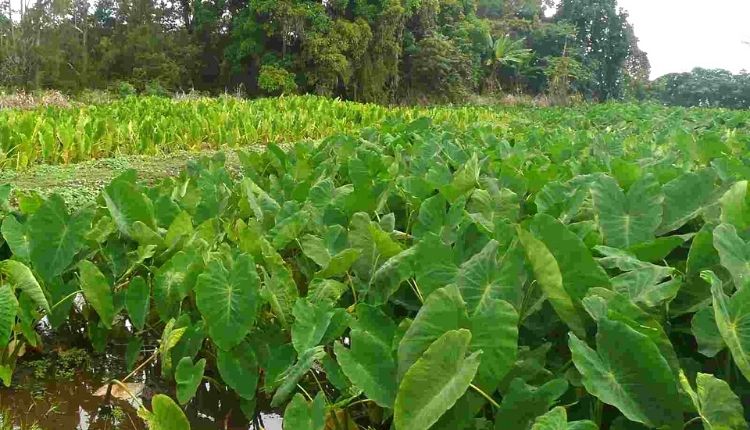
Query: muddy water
[
  {"x": 66, "y": 405},
  {"x": 60, "y": 404}
]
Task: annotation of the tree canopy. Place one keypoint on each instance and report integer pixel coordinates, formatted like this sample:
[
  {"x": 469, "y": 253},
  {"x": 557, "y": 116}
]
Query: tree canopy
[
  {"x": 371, "y": 50},
  {"x": 704, "y": 87}
]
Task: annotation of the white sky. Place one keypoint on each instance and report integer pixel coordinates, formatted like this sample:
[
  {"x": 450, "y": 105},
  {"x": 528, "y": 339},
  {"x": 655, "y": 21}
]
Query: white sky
[{"x": 681, "y": 34}]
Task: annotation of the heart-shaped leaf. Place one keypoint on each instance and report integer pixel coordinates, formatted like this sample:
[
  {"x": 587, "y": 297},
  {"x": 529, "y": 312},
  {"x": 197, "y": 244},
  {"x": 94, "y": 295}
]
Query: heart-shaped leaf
[
  {"x": 97, "y": 291},
  {"x": 627, "y": 219},
  {"x": 301, "y": 415},
  {"x": 435, "y": 382},
  {"x": 730, "y": 314},
  {"x": 188, "y": 377},
  {"x": 239, "y": 370},
  {"x": 8, "y": 311},
  {"x": 628, "y": 371},
  {"x": 370, "y": 363},
  {"x": 55, "y": 237},
  {"x": 228, "y": 300},
  {"x": 165, "y": 415}
]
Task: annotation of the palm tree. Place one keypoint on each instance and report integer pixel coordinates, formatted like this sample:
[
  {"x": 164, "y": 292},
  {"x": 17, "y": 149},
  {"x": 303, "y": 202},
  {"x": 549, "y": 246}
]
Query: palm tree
[{"x": 506, "y": 52}]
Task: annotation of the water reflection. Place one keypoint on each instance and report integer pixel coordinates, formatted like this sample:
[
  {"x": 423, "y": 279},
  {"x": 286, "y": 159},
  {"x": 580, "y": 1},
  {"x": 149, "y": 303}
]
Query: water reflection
[{"x": 75, "y": 404}]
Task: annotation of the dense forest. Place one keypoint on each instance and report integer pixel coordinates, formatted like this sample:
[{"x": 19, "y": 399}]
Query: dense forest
[
  {"x": 369, "y": 50},
  {"x": 384, "y": 51}
]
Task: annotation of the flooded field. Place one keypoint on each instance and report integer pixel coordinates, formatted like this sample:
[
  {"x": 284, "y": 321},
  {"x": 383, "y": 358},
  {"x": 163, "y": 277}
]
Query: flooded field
[{"x": 69, "y": 390}]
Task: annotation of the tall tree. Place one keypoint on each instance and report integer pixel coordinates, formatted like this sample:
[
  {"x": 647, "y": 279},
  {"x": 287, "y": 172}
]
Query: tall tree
[{"x": 602, "y": 35}]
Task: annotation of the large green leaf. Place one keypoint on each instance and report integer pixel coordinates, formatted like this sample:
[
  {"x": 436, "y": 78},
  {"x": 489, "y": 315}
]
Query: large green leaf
[
  {"x": 435, "y": 382},
  {"x": 127, "y": 203},
  {"x": 8, "y": 311},
  {"x": 547, "y": 273},
  {"x": 375, "y": 246},
  {"x": 239, "y": 370},
  {"x": 170, "y": 337},
  {"x": 735, "y": 206},
  {"x": 315, "y": 249},
  {"x": 389, "y": 277},
  {"x": 557, "y": 419},
  {"x": 133, "y": 352},
  {"x": 464, "y": 180},
  {"x": 369, "y": 363},
  {"x": 288, "y": 229},
  {"x": 646, "y": 285},
  {"x": 291, "y": 376},
  {"x": 657, "y": 250},
  {"x": 340, "y": 263},
  {"x": 191, "y": 342},
  {"x": 478, "y": 278},
  {"x": 627, "y": 219},
  {"x": 328, "y": 253},
  {"x": 16, "y": 235},
  {"x": 706, "y": 332},
  {"x": 327, "y": 290},
  {"x": 684, "y": 197},
  {"x": 137, "y": 299},
  {"x": 20, "y": 277},
  {"x": 443, "y": 311},
  {"x": 560, "y": 200},
  {"x": 695, "y": 292},
  {"x": 188, "y": 377},
  {"x": 523, "y": 403},
  {"x": 494, "y": 331},
  {"x": 279, "y": 288},
  {"x": 311, "y": 321},
  {"x": 228, "y": 300},
  {"x": 62, "y": 295},
  {"x": 299, "y": 415},
  {"x": 603, "y": 303},
  {"x": 718, "y": 407},
  {"x": 173, "y": 281},
  {"x": 433, "y": 264},
  {"x": 578, "y": 269},
  {"x": 181, "y": 227},
  {"x": 55, "y": 237},
  {"x": 628, "y": 371},
  {"x": 386, "y": 246},
  {"x": 733, "y": 320},
  {"x": 165, "y": 415},
  {"x": 734, "y": 253},
  {"x": 97, "y": 290}
]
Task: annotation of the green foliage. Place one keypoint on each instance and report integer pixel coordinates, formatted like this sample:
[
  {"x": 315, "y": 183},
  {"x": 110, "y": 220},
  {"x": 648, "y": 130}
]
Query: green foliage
[
  {"x": 165, "y": 415},
  {"x": 438, "y": 66},
  {"x": 603, "y": 38},
  {"x": 419, "y": 274},
  {"x": 704, "y": 87},
  {"x": 275, "y": 80},
  {"x": 375, "y": 51},
  {"x": 188, "y": 376},
  {"x": 126, "y": 89}
]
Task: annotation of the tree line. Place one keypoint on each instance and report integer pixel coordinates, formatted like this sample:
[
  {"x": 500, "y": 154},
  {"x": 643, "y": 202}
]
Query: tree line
[
  {"x": 704, "y": 87},
  {"x": 369, "y": 50}
]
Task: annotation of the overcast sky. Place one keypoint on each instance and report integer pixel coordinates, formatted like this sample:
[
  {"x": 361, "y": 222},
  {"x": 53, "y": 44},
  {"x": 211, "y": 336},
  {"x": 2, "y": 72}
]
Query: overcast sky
[{"x": 681, "y": 34}]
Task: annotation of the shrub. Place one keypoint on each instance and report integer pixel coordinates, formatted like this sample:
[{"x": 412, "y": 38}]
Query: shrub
[
  {"x": 126, "y": 89},
  {"x": 275, "y": 80}
]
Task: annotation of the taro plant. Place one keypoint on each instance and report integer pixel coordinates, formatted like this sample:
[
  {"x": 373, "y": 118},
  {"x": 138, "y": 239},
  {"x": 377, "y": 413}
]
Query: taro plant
[{"x": 415, "y": 277}]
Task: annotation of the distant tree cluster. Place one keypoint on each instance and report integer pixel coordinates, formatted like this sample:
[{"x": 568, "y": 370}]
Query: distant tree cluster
[
  {"x": 370, "y": 50},
  {"x": 704, "y": 87}
]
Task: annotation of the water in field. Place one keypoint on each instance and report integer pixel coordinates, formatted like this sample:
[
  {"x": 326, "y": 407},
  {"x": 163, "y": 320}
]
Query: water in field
[{"x": 74, "y": 396}]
